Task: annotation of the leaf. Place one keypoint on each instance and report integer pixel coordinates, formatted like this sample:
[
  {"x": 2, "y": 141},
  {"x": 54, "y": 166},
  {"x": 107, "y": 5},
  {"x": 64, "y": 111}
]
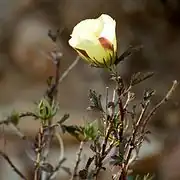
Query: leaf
[
  {"x": 63, "y": 119},
  {"x": 49, "y": 81},
  {"x": 76, "y": 131},
  {"x": 139, "y": 77},
  {"x": 127, "y": 53},
  {"x": 95, "y": 101},
  {"x": 83, "y": 174},
  {"x": 14, "y": 118},
  {"x": 91, "y": 131},
  {"x": 117, "y": 160},
  {"x": 148, "y": 93},
  {"x": 45, "y": 110}
]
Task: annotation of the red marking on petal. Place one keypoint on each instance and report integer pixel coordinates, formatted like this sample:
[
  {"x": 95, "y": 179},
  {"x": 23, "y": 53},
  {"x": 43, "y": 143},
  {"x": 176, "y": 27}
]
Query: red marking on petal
[
  {"x": 84, "y": 53},
  {"x": 106, "y": 43}
]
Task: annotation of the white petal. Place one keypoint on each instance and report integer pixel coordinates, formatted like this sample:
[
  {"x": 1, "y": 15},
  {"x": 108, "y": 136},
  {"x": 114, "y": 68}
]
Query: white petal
[
  {"x": 109, "y": 30},
  {"x": 88, "y": 26}
]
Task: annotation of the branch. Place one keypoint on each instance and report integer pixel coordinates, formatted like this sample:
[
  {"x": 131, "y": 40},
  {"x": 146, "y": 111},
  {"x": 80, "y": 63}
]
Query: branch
[
  {"x": 56, "y": 169},
  {"x": 78, "y": 159},
  {"x": 69, "y": 69},
  {"x": 142, "y": 122},
  {"x": 38, "y": 151},
  {"x": 18, "y": 131},
  {"x": 61, "y": 157},
  {"x": 131, "y": 144},
  {"x": 16, "y": 170},
  {"x": 21, "y": 115},
  {"x": 164, "y": 100}
]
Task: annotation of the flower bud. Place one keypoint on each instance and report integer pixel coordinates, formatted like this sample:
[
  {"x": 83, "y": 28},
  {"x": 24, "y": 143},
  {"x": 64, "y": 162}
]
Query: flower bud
[
  {"x": 95, "y": 41},
  {"x": 45, "y": 110}
]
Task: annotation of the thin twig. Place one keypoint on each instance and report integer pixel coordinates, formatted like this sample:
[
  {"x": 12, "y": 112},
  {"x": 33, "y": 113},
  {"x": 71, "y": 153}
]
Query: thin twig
[
  {"x": 38, "y": 153},
  {"x": 17, "y": 131},
  {"x": 119, "y": 91},
  {"x": 16, "y": 170},
  {"x": 78, "y": 159},
  {"x": 107, "y": 96},
  {"x": 131, "y": 144},
  {"x": 104, "y": 149},
  {"x": 21, "y": 115},
  {"x": 57, "y": 124},
  {"x": 61, "y": 157},
  {"x": 143, "y": 122},
  {"x": 164, "y": 100},
  {"x": 52, "y": 94},
  {"x": 56, "y": 169},
  {"x": 69, "y": 69},
  {"x": 28, "y": 114}
]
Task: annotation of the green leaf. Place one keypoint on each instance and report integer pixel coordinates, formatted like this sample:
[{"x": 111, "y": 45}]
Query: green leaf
[
  {"x": 14, "y": 118},
  {"x": 76, "y": 131},
  {"x": 45, "y": 110},
  {"x": 91, "y": 131}
]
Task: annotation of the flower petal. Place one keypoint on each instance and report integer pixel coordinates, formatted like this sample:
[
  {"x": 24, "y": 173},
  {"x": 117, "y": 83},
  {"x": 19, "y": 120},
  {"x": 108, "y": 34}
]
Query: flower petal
[
  {"x": 95, "y": 40},
  {"x": 109, "y": 30},
  {"x": 88, "y": 26}
]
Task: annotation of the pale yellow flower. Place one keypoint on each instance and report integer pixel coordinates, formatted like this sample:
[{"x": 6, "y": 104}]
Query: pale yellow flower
[{"x": 95, "y": 40}]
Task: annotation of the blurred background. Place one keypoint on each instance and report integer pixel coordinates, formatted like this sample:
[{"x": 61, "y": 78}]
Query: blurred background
[{"x": 25, "y": 65}]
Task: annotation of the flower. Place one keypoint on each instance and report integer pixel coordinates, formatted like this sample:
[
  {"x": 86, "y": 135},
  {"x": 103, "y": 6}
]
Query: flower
[{"x": 95, "y": 40}]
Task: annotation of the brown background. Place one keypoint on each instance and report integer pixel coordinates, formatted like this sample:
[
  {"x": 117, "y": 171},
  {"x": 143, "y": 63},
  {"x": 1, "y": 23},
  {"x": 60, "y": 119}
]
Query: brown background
[{"x": 25, "y": 63}]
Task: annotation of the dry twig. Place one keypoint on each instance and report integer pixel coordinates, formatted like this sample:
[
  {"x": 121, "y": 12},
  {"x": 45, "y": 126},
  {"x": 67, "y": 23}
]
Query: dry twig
[
  {"x": 78, "y": 159},
  {"x": 16, "y": 170}
]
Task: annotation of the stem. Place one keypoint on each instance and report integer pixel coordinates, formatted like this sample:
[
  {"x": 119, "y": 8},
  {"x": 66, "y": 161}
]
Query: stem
[
  {"x": 69, "y": 69},
  {"x": 21, "y": 115},
  {"x": 61, "y": 157},
  {"x": 104, "y": 150},
  {"x": 16, "y": 170},
  {"x": 164, "y": 100},
  {"x": 133, "y": 138},
  {"x": 119, "y": 91},
  {"x": 38, "y": 155},
  {"x": 122, "y": 113},
  {"x": 78, "y": 159},
  {"x": 143, "y": 122}
]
